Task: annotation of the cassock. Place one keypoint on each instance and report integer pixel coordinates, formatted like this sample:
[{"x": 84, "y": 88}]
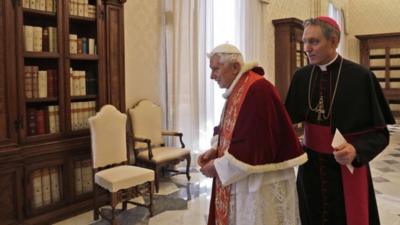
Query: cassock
[
  {"x": 353, "y": 103},
  {"x": 257, "y": 150}
]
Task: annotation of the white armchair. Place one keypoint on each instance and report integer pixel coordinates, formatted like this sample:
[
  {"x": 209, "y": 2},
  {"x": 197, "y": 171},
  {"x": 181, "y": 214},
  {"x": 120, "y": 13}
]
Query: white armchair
[
  {"x": 148, "y": 140},
  {"x": 110, "y": 163}
]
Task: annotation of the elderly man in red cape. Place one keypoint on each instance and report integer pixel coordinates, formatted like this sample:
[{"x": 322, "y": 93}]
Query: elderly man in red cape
[{"x": 255, "y": 148}]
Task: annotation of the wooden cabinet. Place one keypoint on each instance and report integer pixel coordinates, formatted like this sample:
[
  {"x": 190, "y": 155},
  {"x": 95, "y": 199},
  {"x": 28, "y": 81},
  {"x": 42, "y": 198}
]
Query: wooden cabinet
[
  {"x": 381, "y": 54},
  {"x": 11, "y": 193},
  {"x": 59, "y": 62},
  {"x": 8, "y": 108},
  {"x": 289, "y": 54}
]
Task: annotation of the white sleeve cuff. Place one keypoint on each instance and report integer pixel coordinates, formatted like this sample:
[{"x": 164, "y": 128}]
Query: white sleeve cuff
[{"x": 228, "y": 172}]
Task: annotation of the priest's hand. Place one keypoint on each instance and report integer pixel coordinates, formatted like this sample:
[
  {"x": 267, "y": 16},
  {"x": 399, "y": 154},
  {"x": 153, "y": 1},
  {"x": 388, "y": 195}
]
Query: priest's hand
[
  {"x": 209, "y": 169},
  {"x": 345, "y": 154},
  {"x": 204, "y": 158}
]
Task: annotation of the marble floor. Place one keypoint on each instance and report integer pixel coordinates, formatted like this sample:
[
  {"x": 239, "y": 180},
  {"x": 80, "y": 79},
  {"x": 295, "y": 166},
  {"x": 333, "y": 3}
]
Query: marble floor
[{"x": 180, "y": 202}]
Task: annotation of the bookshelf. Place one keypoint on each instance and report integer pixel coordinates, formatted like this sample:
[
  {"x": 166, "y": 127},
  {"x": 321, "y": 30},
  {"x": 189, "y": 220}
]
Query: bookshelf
[
  {"x": 289, "y": 54},
  {"x": 55, "y": 72},
  {"x": 381, "y": 54}
]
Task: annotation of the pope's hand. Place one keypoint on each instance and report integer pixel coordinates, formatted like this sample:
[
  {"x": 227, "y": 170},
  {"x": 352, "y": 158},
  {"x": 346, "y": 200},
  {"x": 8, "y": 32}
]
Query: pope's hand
[
  {"x": 204, "y": 158},
  {"x": 209, "y": 169}
]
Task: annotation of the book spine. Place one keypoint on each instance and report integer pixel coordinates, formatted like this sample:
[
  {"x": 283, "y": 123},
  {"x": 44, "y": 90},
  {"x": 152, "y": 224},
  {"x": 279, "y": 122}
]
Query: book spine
[
  {"x": 28, "y": 38},
  {"x": 35, "y": 82},
  {"x": 32, "y": 4},
  {"x": 37, "y": 39},
  {"x": 36, "y": 179},
  {"x": 50, "y": 83},
  {"x": 42, "y": 5},
  {"x": 87, "y": 183},
  {"x": 50, "y": 6},
  {"x": 52, "y": 119},
  {"x": 85, "y": 49},
  {"x": 78, "y": 178},
  {"x": 42, "y": 83},
  {"x": 45, "y": 39},
  {"x": 40, "y": 122},
  {"x": 79, "y": 46},
  {"x": 31, "y": 121},
  {"x": 91, "y": 46},
  {"x": 28, "y": 81},
  {"x": 73, "y": 44},
  {"x": 25, "y": 4},
  {"x": 55, "y": 185},
  {"x": 46, "y": 187},
  {"x": 82, "y": 82}
]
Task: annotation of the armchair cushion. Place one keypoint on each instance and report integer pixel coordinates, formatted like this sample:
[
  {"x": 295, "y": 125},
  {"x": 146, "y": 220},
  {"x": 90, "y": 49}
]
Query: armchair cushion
[
  {"x": 146, "y": 123},
  {"x": 122, "y": 177},
  {"x": 162, "y": 154}
]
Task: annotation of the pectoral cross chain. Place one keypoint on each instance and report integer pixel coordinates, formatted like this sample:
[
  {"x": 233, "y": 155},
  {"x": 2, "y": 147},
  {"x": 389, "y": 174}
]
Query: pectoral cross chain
[{"x": 320, "y": 108}]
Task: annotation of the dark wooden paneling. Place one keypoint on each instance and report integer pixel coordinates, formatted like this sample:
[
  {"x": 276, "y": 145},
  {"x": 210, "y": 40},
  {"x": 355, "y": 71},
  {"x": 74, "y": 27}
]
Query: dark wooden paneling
[
  {"x": 288, "y": 32},
  {"x": 10, "y": 187},
  {"x": 384, "y": 41},
  {"x": 8, "y": 94},
  {"x": 115, "y": 56},
  {"x": 21, "y": 154}
]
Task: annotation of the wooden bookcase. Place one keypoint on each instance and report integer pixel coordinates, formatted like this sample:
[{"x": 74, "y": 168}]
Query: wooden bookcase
[
  {"x": 289, "y": 54},
  {"x": 381, "y": 54},
  {"x": 44, "y": 135}
]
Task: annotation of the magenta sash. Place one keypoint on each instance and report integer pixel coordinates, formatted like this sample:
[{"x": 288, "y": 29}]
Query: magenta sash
[{"x": 355, "y": 186}]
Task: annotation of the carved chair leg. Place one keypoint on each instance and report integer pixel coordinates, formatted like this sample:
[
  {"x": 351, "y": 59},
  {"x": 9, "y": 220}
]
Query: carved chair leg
[
  {"x": 124, "y": 205},
  {"x": 126, "y": 192},
  {"x": 95, "y": 207},
  {"x": 188, "y": 159},
  {"x": 114, "y": 202},
  {"x": 151, "y": 198},
  {"x": 156, "y": 180}
]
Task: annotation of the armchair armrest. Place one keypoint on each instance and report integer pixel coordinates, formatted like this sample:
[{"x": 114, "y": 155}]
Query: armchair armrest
[
  {"x": 174, "y": 133},
  {"x": 148, "y": 142}
]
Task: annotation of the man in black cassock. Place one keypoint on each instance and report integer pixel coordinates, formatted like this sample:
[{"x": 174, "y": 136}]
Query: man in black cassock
[{"x": 332, "y": 94}]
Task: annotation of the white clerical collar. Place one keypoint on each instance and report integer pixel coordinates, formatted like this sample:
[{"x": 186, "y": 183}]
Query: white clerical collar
[
  {"x": 324, "y": 67},
  {"x": 243, "y": 70}
]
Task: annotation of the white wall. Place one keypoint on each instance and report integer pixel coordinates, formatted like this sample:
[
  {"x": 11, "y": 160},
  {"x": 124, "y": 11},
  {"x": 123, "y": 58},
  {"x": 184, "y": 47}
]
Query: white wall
[
  {"x": 300, "y": 9},
  {"x": 371, "y": 17},
  {"x": 142, "y": 50},
  {"x": 143, "y": 35}
]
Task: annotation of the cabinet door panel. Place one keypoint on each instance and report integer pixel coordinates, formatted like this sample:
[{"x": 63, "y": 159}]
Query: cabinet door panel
[
  {"x": 10, "y": 211},
  {"x": 7, "y": 79},
  {"x": 115, "y": 53}
]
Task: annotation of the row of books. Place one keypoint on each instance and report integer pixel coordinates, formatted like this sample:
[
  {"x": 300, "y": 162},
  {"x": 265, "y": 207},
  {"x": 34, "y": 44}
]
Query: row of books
[
  {"x": 394, "y": 51},
  {"x": 382, "y": 73},
  {"x": 40, "y": 83},
  {"x": 82, "y": 82},
  {"x": 395, "y": 61},
  {"x": 43, "y": 120},
  {"x": 382, "y": 62},
  {"x": 395, "y": 107},
  {"x": 82, "y": 8},
  {"x": 40, "y": 39},
  {"x": 80, "y": 113},
  {"x": 81, "y": 45},
  {"x": 299, "y": 62},
  {"x": 46, "y": 186},
  {"x": 382, "y": 51},
  {"x": 44, "y": 5},
  {"x": 83, "y": 177}
]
